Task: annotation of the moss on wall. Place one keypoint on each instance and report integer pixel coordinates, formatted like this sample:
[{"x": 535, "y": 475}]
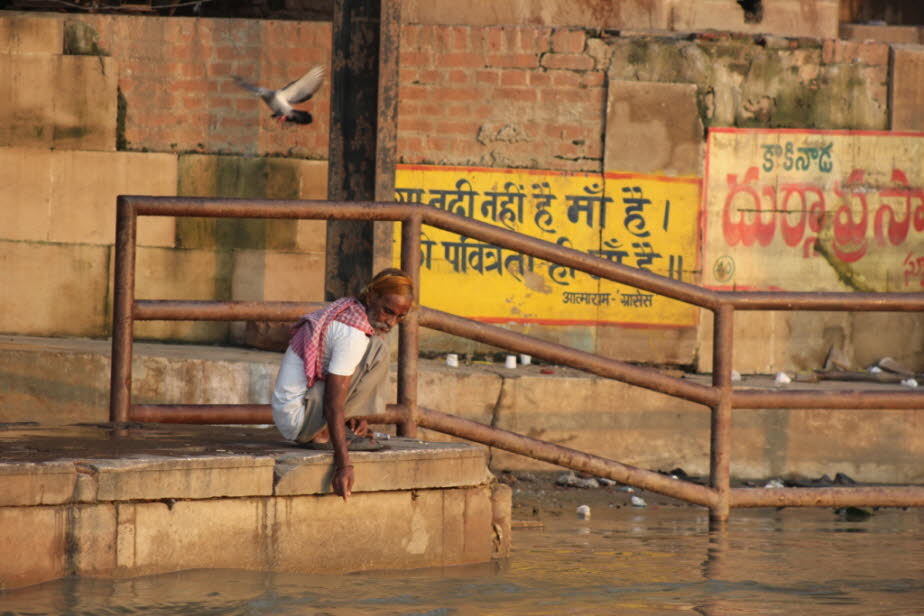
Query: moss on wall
[
  {"x": 80, "y": 39},
  {"x": 121, "y": 110},
  {"x": 758, "y": 81},
  {"x": 237, "y": 177}
]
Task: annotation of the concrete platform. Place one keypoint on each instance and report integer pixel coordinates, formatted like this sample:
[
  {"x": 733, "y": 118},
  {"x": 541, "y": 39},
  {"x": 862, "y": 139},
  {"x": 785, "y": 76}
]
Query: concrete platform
[{"x": 84, "y": 500}]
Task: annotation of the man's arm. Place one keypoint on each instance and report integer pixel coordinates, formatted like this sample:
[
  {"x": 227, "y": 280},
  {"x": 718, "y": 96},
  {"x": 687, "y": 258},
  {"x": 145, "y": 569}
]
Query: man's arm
[{"x": 335, "y": 393}]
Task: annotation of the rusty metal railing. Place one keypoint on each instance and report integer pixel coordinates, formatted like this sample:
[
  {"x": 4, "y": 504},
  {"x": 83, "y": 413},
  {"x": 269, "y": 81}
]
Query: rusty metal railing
[{"x": 718, "y": 496}]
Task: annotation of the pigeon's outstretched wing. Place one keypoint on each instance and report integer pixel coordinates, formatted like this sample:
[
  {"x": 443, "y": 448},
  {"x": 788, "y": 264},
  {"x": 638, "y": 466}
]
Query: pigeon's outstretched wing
[
  {"x": 264, "y": 92},
  {"x": 304, "y": 87}
]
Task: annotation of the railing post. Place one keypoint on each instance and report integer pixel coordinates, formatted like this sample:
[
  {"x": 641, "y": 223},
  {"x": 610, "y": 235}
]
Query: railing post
[
  {"x": 409, "y": 334},
  {"x": 720, "y": 457},
  {"x": 120, "y": 384}
]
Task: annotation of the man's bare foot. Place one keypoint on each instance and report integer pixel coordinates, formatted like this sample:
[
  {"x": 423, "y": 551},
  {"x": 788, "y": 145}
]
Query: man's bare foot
[
  {"x": 321, "y": 437},
  {"x": 358, "y": 427}
]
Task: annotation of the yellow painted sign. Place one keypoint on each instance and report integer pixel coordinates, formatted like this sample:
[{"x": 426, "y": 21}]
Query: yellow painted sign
[
  {"x": 642, "y": 221},
  {"x": 814, "y": 210}
]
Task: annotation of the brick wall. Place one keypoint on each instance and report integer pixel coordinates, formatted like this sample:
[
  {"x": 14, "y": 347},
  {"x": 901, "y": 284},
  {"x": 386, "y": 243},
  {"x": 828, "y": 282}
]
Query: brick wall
[
  {"x": 174, "y": 77},
  {"x": 500, "y": 96}
]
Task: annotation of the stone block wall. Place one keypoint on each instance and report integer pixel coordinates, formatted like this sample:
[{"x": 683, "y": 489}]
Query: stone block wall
[
  {"x": 149, "y": 107},
  {"x": 907, "y": 87},
  {"x": 103, "y": 105}
]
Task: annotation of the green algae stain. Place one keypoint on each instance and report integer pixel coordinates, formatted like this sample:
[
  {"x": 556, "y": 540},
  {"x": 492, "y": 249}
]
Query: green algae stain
[
  {"x": 638, "y": 52},
  {"x": 243, "y": 178},
  {"x": 121, "y": 111},
  {"x": 63, "y": 133},
  {"x": 81, "y": 40}
]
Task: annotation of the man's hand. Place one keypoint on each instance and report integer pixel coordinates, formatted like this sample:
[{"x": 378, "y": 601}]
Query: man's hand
[
  {"x": 360, "y": 427},
  {"x": 342, "y": 481},
  {"x": 335, "y": 393}
]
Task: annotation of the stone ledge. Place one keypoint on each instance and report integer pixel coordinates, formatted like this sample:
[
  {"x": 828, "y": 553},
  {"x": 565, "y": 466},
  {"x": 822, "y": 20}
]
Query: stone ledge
[
  {"x": 44, "y": 483},
  {"x": 408, "y": 465},
  {"x": 187, "y": 478},
  {"x": 85, "y": 464}
]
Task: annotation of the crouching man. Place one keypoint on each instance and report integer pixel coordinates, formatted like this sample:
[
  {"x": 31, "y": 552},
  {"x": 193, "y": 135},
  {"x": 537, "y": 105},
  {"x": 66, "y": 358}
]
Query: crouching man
[{"x": 335, "y": 365}]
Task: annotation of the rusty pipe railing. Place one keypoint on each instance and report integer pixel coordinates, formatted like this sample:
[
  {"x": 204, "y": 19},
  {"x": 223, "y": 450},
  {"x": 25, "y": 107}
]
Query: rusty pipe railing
[
  {"x": 560, "y": 354},
  {"x": 570, "y": 458},
  {"x": 408, "y": 345},
  {"x": 720, "y": 396}
]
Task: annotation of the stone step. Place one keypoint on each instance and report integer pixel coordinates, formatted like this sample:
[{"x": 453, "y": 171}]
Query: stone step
[{"x": 64, "y": 381}]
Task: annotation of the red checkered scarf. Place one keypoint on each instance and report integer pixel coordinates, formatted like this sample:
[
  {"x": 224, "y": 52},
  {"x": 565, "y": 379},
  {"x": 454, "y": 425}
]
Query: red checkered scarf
[{"x": 308, "y": 339}]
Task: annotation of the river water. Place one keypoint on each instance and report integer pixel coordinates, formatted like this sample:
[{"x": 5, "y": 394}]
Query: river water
[{"x": 623, "y": 561}]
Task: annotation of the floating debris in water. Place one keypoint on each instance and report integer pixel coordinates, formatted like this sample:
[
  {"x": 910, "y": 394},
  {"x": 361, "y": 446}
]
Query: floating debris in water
[
  {"x": 782, "y": 378},
  {"x": 583, "y": 512},
  {"x": 638, "y": 501},
  {"x": 774, "y": 483}
]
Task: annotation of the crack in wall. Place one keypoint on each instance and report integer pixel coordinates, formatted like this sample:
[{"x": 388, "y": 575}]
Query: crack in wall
[
  {"x": 845, "y": 272},
  {"x": 503, "y": 400}
]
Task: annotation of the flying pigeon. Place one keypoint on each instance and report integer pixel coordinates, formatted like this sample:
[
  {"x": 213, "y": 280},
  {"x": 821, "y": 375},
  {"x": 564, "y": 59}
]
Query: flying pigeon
[{"x": 281, "y": 101}]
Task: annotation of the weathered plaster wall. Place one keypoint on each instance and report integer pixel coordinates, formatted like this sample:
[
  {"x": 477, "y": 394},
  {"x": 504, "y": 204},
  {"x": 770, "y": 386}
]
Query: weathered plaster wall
[{"x": 762, "y": 81}]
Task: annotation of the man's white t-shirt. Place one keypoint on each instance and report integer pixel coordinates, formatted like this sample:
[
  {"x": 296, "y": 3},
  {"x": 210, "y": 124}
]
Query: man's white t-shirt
[{"x": 344, "y": 347}]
